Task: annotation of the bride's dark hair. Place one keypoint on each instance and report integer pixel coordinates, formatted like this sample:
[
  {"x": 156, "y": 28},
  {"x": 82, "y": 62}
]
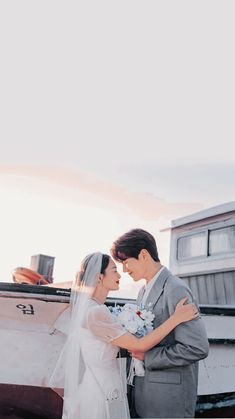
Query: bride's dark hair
[{"x": 104, "y": 264}]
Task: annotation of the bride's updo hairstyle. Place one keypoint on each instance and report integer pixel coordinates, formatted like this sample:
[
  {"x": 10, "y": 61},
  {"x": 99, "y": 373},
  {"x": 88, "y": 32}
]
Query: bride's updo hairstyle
[
  {"x": 105, "y": 262},
  {"x": 85, "y": 262}
]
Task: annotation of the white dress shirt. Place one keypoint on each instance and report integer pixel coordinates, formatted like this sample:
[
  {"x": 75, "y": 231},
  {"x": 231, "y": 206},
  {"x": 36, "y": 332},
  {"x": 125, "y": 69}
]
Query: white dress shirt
[{"x": 149, "y": 286}]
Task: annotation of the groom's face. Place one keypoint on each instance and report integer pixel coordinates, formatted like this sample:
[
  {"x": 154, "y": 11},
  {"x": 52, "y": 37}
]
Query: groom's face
[{"x": 134, "y": 267}]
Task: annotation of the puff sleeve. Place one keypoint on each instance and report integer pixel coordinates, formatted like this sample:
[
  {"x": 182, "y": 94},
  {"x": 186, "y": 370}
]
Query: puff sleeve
[{"x": 102, "y": 324}]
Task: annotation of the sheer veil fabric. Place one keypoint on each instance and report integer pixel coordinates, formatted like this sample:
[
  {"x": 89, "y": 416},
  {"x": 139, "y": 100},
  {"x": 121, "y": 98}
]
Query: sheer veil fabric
[{"x": 70, "y": 366}]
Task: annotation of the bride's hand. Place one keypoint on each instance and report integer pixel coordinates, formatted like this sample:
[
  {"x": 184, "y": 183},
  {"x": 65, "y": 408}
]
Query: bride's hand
[
  {"x": 185, "y": 312},
  {"x": 137, "y": 355}
]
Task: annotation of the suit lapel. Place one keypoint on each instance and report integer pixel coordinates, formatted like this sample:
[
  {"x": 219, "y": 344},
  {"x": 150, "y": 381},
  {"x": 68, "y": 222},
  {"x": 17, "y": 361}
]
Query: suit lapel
[
  {"x": 140, "y": 295},
  {"x": 157, "y": 289}
]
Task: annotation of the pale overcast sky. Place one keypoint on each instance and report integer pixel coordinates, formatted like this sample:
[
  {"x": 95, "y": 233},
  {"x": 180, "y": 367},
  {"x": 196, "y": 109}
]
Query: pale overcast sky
[{"x": 113, "y": 115}]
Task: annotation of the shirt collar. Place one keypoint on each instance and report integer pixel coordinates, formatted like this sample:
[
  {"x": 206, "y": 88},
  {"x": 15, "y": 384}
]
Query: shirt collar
[
  {"x": 153, "y": 280},
  {"x": 150, "y": 284}
]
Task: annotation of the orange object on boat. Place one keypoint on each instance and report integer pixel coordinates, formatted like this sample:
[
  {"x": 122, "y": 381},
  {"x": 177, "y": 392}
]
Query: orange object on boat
[{"x": 28, "y": 276}]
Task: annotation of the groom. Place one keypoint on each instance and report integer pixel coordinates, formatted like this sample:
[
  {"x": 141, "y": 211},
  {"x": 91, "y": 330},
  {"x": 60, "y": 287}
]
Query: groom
[{"x": 169, "y": 387}]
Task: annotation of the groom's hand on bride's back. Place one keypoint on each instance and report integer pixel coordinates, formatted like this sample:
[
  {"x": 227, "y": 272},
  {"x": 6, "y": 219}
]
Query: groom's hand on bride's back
[{"x": 137, "y": 355}]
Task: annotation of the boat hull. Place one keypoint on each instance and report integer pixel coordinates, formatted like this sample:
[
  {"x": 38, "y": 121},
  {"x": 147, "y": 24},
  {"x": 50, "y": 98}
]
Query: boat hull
[{"x": 33, "y": 327}]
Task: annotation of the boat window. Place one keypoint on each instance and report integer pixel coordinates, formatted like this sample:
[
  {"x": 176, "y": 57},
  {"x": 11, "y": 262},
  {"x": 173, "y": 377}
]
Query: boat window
[
  {"x": 222, "y": 240},
  {"x": 192, "y": 246}
]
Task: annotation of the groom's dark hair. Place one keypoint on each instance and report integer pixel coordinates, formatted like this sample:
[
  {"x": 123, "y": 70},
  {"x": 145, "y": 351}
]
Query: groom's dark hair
[{"x": 131, "y": 243}]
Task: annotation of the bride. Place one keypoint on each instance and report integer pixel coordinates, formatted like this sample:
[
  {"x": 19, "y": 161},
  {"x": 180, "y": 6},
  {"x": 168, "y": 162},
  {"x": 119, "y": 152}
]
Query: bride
[{"x": 92, "y": 378}]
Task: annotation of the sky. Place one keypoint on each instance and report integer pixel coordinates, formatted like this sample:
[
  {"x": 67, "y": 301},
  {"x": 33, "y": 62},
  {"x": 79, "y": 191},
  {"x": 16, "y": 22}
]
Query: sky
[{"x": 114, "y": 115}]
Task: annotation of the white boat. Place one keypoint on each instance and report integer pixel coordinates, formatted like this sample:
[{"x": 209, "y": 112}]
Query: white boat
[{"x": 30, "y": 344}]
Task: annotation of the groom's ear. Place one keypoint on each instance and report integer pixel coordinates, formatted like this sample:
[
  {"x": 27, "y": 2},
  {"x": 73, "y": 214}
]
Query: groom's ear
[{"x": 143, "y": 255}]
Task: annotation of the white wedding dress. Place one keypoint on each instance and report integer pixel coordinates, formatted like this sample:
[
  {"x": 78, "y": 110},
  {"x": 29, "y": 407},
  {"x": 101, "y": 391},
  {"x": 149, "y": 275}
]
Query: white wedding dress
[{"x": 102, "y": 377}]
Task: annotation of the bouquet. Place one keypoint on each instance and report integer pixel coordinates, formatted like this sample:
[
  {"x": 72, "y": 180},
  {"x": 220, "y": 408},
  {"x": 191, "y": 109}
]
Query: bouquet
[{"x": 137, "y": 321}]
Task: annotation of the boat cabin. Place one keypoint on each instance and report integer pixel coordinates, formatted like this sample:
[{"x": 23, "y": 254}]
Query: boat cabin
[{"x": 202, "y": 253}]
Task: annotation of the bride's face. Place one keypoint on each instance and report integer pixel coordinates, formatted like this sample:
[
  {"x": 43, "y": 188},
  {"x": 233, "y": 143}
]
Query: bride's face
[{"x": 111, "y": 277}]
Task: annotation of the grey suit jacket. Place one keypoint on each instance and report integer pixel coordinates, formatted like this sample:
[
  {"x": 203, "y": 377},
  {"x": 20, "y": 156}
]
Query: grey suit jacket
[{"x": 169, "y": 387}]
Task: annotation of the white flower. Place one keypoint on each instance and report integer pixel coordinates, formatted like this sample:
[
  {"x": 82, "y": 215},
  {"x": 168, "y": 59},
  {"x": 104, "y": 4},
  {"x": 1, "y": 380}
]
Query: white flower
[
  {"x": 147, "y": 316},
  {"x": 130, "y": 307},
  {"x": 124, "y": 316},
  {"x": 131, "y": 326},
  {"x": 133, "y": 319}
]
